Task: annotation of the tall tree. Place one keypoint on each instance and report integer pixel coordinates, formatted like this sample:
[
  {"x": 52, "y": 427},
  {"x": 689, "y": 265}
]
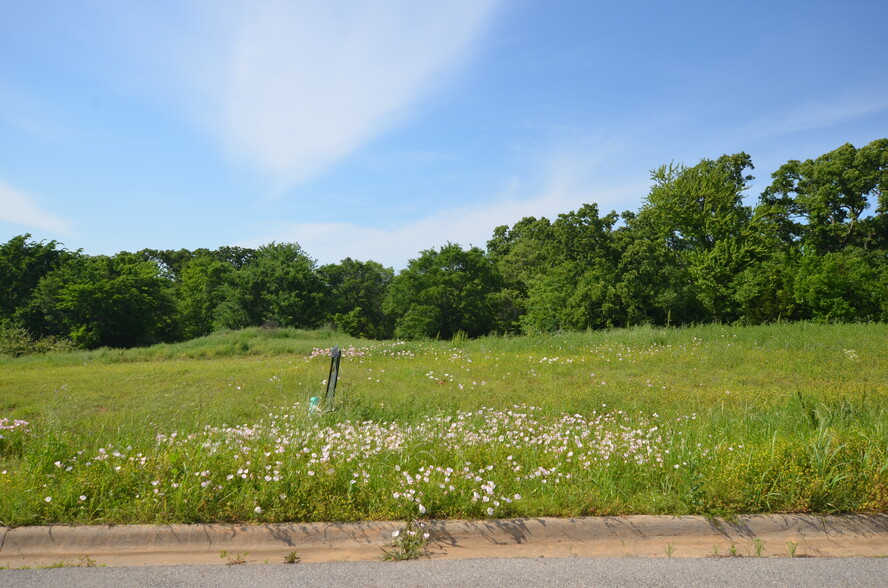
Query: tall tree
[
  {"x": 120, "y": 301},
  {"x": 576, "y": 290},
  {"x": 355, "y": 294},
  {"x": 697, "y": 213},
  {"x": 443, "y": 292},
  {"x": 822, "y": 201},
  {"x": 652, "y": 282},
  {"x": 279, "y": 285},
  {"x": 521, "y": 256},
  {"x": 171, "y": 262},
  {"x": 23, "y": 262},
  {"x": 202, "y": 289}
]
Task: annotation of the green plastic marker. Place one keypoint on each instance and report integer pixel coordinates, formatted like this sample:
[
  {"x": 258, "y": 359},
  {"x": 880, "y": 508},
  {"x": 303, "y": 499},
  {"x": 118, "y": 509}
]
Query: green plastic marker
[{"x": 313, "y": 403}]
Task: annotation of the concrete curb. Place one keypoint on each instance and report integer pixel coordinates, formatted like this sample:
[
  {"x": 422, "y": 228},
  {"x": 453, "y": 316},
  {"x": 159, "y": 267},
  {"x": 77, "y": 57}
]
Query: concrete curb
[{"x": 630, "y": 536}]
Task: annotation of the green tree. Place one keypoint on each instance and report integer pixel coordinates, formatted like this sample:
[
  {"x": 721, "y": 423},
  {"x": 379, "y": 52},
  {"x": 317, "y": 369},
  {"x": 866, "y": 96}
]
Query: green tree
[
  {"x": 278, "y": 286},
  {"x": 652, "y": 283},
  {"x": 521, "y": 256},
  {"x": 443, "y": 292},
  {"x": 575, "y": 287},
  {"x": 843, "y": 285},
  {"x": 697, "y": 213},
  {"x": 822, "y": 201},
  {"x": 558, "y": 275},
  {"x": 204, "y": 283},
  {"x": 356, "y": 291},
  {"x": 171, "y": 262},
  {"x": 238, "y": 257},
  {"x": 23, "y": 263},
  {"x": 120, "y": 301},
  {"x": 765, "y": 291}
]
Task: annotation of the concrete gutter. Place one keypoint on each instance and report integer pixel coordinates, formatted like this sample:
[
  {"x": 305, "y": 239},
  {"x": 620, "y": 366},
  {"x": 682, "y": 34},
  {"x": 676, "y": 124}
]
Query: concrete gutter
[{"x": 630, "y": 536}]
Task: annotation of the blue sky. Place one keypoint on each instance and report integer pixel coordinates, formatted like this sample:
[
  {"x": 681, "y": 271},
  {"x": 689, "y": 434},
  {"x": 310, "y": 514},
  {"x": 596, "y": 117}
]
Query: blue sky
[{"x": 376, "y": 129}]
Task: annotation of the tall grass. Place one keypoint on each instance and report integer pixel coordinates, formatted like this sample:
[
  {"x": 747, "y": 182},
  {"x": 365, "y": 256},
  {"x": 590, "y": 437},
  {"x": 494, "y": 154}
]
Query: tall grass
[{"x": 711, "y": 420}]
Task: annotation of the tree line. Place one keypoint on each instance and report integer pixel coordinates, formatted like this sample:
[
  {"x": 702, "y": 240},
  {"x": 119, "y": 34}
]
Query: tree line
[{"x": 813, "y": 247}]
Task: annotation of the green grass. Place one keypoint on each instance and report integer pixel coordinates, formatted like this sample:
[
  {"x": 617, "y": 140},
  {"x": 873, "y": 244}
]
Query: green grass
[{"x": 705, "y": 420}]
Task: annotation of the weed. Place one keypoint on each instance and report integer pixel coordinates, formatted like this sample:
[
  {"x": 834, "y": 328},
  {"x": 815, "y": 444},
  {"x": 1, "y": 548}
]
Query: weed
[
  {"x": 83, "y": 562},
  {"x": 408, "y": 542},
  {"x": 670, "y": 549},
  {"x": 291, "y": 558},
  {"x": 791, "y": 548},
  {"x": 732, "y": 550},
  {"x": 233, "y": 559},
  {"x": 715, "y": 549},
  {"x": 758, "y": 546}
]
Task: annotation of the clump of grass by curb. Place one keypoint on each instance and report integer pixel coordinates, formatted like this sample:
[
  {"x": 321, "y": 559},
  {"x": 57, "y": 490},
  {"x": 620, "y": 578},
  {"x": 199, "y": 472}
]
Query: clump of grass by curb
[
  {"x": 408, "y": 542},
  {"x": 292, "y": 558},
  {"x": 758, "y": 546},
  {"x": 83, "y": 562},
  {"x": 234, "y": 559}
]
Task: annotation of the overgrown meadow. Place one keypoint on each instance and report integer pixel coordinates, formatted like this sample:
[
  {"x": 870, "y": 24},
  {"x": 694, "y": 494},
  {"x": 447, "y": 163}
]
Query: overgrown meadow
[{"x": 705, "y": 420}]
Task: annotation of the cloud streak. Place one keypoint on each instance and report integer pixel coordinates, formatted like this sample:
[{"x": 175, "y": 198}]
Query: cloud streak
[
  {"x": 20, "y": 208},
  {"x": 301, "y": 85},
  {"x": 814, "y": 116}
]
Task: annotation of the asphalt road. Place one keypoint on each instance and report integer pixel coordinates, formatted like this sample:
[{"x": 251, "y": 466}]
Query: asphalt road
[{"x": 636, "y": 572}]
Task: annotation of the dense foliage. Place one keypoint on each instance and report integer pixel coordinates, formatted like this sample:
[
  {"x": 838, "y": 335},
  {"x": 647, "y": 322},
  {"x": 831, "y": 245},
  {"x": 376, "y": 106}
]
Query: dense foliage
[{"x": 814, "y": 247}]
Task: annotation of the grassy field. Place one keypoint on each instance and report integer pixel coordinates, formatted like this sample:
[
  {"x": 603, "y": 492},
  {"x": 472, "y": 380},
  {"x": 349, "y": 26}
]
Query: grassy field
[{"x": 706, "y": 420}]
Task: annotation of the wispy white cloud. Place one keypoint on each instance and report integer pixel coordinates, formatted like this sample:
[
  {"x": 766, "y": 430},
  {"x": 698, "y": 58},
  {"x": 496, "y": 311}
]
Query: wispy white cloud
[
  {"x": 293, "y": 87},
  {"x": 808, "y": 116},
  {"x": 22, "y": 209}
]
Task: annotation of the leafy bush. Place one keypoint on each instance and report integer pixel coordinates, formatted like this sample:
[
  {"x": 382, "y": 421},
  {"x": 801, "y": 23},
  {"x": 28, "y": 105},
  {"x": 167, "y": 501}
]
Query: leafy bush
[{"x": 17, "y": 341}]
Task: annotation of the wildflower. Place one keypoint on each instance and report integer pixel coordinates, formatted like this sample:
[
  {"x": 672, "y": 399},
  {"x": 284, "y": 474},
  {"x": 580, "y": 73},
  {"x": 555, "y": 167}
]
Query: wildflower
[
  {"x": 48, "y": 499},
  {"x": 258, "y": 510},
  {"x": 490, "y": 511},
  {"x": 82, "y": 498}
]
